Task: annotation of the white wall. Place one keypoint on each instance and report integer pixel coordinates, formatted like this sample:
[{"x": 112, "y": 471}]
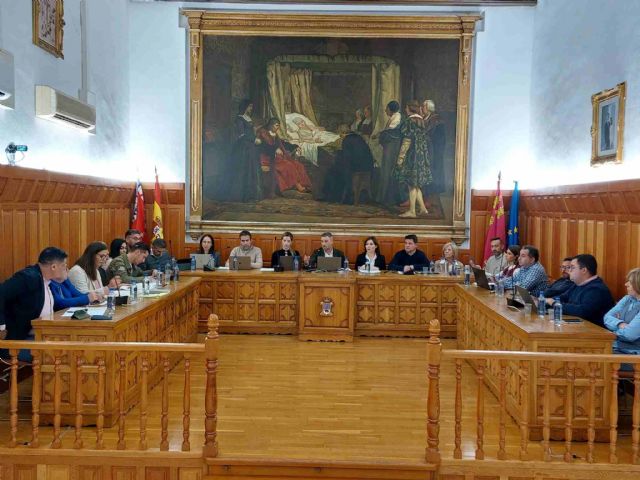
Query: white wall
[
  {"x": 582, "y": 47},
  {"x": 52, "y": 146}
]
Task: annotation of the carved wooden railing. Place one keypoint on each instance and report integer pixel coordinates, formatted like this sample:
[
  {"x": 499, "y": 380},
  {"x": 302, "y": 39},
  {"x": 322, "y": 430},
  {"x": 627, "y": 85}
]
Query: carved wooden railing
[
  {"x": 164, "y": 354},
  {"x": 607, "y": 366}
]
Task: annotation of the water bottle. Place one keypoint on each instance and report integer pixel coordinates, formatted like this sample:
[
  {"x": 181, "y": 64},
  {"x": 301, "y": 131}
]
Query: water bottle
[
  {"x": 542, "y": 305},
  {"x": 346, "y": 265},
  {"x": 167, "y": 272},
  {"x": 212, "y": 261},
  {"x": 467, "y": 275},
  {"x": 368, "y": 266},
  {"x": 296, "y": 263},
  {"x": 500, "y": 288},
  {"x": 557, "y": 312},
  {"x": 146, "y": 284},
  {"x": 193, "y": 263},
  {"x": 176, "y": 273},
  {"x": 111, "y": 301},
  {"x": 432, "y": 267},
  {"x": 234, "y": 263}
]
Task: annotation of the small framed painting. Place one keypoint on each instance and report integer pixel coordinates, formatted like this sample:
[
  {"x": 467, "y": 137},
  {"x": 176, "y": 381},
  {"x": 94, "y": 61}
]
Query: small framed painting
[
  {"x": 607, "y": 130},
  {"x": 48, "y": 25}
]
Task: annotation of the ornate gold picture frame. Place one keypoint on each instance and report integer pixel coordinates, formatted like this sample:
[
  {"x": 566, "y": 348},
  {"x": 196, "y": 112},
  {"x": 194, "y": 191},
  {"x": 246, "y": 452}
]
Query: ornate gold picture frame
[
  {"x": 607, "y": 129},
  {"x": 205, "y": 27},
  {"x": 48, "y": 25}
]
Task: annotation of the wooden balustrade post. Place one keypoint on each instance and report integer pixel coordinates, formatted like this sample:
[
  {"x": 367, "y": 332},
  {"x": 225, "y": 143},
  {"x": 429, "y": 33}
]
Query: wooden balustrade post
[
  {"x": 13, "y": 400},
  {"x": 210, "y": 448},
  {"x": 502, "y": 429},
  {"x": 79, "y": 401},
  {"x": 457, "y": 450},
  {"x": 613, "y": 414},
  {"x": 186, "y": 405},
  {"x": 523, "y": 374},
  {"x": 591, "y": 425},
  {"x": 122, "y": 411},
  {"x": 102, "y": 369},
  {"x": 568, "y": 410},
  {"x": 57, "y": 396},
  {"x": 434, "y": 354},
  {"x": 545, "y": 370},
  {"x": 164, "y": 415},
  {"x": 36, "y": 394},
  {"x": 481, "y": 365},
  {"x": 144, "y": 387}
]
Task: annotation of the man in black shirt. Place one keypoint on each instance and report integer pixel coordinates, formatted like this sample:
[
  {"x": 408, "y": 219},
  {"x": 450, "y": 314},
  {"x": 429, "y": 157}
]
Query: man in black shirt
[
  {"x": 564, "y": 283},
  {"x": 410, "y": 259}
]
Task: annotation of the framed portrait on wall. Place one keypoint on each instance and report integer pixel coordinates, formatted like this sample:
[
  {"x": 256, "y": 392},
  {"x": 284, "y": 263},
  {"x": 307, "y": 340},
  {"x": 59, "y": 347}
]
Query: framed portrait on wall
[
  {"x": 329, "y": 122},
  {"x": 607, "y": 130},
  {"x": 48, "y": 25}
]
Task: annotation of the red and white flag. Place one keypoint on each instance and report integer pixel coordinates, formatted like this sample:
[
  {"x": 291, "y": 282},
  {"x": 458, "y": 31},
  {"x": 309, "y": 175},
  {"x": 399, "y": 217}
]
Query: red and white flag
[{"x": 137, "y": 211}]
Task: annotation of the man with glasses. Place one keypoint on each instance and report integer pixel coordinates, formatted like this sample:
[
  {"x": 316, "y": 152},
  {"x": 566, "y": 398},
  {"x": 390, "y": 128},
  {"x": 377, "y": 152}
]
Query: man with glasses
[
  {"x": 132, "y": 236},
  {"x": 26, "y": 296},
  {"x": 564, "y": 283},
  {"x": 589, "y": 298}
]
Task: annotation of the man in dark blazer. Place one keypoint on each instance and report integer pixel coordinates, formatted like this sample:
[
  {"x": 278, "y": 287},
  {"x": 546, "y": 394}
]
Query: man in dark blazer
[
  {"x": 26, "y": 295},
  {"x": 326, "y": 250}
]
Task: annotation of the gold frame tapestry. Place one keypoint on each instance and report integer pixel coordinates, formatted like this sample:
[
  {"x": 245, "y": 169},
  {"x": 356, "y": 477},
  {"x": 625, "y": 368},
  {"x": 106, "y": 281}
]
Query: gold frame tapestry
[
  {"x": 48, "y": 25},
  {"x": 607, "y": 129}
]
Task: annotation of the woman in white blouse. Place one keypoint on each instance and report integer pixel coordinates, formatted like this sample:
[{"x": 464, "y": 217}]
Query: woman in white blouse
[
  {"x": 84, "y": 274},
  {"x": 449, "y": 262}
]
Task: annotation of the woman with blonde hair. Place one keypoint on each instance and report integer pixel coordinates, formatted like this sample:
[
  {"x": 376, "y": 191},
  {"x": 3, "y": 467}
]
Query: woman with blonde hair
[
  {"x": 624, "y": 318},
  {"x": 449, "y": 262}
]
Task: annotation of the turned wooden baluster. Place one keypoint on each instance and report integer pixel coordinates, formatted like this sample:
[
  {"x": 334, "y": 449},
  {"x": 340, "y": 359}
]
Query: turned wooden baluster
[
  {"x": 434, "y": 351},
  {"x": 186, "y": 404},
  {"x": 523, "y": 374},
  {"x": 13, "y": 398},
  {"x": 122, "y": 411},
  {"x": 457, "y": 451},
  {"x": 591, "y": 429},
  {"x": 142, "y": 444},
  {"x": 79, "y": 401},
  {"x": 502, "y": 453},
  {"x": 613, "y": 414},
  {"x": 36, "y": 395},
  {"x": 545, "y": 370},
  {"x": 164, "y": 416},
  {"x": 210, "y": 448},
  {"x": 57, "y": 395},
  {"x": 480, "y": 410},
  {"x": 100, "y": 404},
  {"x": 568, "y": 410},
  {"x": 635, "y": 418}
]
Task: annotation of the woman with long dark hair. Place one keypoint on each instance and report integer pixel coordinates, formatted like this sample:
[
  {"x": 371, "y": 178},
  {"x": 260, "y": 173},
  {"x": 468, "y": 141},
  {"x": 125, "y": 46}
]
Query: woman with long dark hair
[
  {"x": 206, "y": 246},
  {"x": 85, "y": 275},
  {"x": 244, "y": 165},
  {"x": 371, "y": 256}
]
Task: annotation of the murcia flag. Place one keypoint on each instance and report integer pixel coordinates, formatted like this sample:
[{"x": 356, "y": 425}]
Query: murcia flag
[
  {"x": 137, "y": 210},
  {"x": 497, "y": 222},
  {"x": 157, "y": 212}
]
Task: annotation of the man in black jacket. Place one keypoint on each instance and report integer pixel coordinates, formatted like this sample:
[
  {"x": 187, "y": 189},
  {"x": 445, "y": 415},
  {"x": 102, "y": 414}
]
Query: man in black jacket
[
  {"x": 326, "y": 250},
  {"x": 589, "y": 298},
  {"x": 26, "y": 295}
]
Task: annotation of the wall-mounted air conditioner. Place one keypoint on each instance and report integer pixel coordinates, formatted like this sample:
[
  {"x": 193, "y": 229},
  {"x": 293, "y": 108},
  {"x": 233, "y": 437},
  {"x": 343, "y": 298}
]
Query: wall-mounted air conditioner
[
  {"x": 60, "y": 108},
  {"x": 7, "y": 81}
]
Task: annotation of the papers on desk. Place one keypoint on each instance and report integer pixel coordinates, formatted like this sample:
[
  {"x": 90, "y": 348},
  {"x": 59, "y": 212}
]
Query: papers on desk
[
  {"x": 264, "y": 269},
  {"x": 90, "y": 311}
]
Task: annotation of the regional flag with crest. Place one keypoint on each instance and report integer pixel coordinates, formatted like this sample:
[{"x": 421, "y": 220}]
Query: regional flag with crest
[
  {"x": 497, "y": 225},
  {"x": 137, "y": 210}
]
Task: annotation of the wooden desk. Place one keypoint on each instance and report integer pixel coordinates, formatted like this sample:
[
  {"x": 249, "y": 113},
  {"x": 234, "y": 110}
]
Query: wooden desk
[
  {"x": 170, "y": 318},
  {"x": 485, "y": 323},
  {"x": 388, "y": 304}
]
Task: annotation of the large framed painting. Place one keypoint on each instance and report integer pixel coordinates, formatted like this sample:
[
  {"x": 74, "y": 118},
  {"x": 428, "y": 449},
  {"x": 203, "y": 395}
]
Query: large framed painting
[
  {"x": 48, "y": 25},
  {"x": 358, "y": 124},
  {"x": 607, "y": 130}
]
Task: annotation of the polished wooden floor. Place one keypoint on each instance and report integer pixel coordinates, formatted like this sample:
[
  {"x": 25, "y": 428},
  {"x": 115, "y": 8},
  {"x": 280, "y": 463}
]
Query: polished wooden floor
[{"x": 281, "y": 398}]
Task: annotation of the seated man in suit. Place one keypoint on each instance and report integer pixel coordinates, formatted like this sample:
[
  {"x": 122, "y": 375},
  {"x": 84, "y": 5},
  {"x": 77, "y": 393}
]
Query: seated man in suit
[
  {"x": 410, "y": 259},
  {"x": 589, "y": 297},
  {"x": 26, "y": 296},
  {"x": 326, "y": 250},
  {"x": 127, "y": 265}
]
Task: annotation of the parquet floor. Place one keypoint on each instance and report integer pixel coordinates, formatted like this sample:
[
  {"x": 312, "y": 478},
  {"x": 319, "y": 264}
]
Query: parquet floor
[{"x": 282, "y": 398}]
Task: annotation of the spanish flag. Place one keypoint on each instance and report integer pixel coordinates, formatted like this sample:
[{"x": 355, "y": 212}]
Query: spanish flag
[{"x": 157, "y": 212}]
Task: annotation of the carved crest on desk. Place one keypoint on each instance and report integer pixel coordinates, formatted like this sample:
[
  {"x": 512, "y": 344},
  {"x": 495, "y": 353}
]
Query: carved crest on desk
[{"x": 326, "y": 306}]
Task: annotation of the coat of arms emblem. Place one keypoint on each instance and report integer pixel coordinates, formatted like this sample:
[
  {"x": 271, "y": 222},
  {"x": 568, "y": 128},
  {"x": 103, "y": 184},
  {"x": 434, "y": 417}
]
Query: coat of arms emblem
[{"x": 326, "y": 305}]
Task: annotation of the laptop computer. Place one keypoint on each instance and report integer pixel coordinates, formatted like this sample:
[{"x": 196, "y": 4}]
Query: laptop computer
[
  {"x": 202, "y": 259},
  {"x": 524, "y": 295},
  {"x": 329, "y": 264},
  {"x": 286, "y": 262},
  {"x": 243, "y": 263},
  {"x": 481, "y": 278}
]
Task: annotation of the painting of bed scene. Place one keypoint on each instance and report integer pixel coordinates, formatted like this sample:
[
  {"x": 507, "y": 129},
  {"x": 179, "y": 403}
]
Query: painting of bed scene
[{"x": 329, "y": 131}]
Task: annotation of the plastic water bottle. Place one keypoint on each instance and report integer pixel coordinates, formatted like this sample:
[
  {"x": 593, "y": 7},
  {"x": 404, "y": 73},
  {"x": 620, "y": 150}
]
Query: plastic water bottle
[
  {"x": 346, "y": 265},
  {"x": 146, "y": 284},
  {"x": 193, "y": 263},
  {"x": 467, "y": 275},
  {"x": 296, "y": 263},
  {"x": 176, "y": 272},
  {"x": 167, "y": 272},
  {"x": 432, "y": 267},
  {"x": 542, "y": 305},
  {"x": 234, "y": 263},
  {"x": 500, "y": 288},
  {"x": 212, "y": 261},
  {"x": 111, "y": 301},
  {"x": 557, "y": 312}
]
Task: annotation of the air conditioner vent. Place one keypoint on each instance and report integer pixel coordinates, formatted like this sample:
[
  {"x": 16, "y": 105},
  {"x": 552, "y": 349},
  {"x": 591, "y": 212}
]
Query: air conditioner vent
[{"x": 58, "y": 107}]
